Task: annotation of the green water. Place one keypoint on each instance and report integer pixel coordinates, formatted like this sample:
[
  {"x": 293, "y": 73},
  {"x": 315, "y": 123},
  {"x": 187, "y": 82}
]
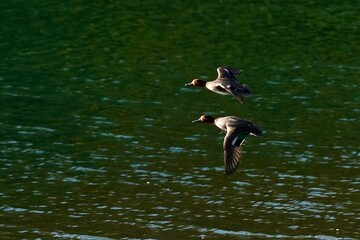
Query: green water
[{"x": 96, "y": 140}]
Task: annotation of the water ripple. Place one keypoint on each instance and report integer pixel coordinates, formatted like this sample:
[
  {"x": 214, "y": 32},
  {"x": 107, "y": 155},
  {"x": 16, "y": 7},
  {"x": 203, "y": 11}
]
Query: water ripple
[{"x": 222, "y": 232}]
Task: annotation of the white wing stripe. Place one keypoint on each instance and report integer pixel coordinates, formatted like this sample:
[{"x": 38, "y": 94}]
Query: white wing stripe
[{"x": 234, "y": 141}]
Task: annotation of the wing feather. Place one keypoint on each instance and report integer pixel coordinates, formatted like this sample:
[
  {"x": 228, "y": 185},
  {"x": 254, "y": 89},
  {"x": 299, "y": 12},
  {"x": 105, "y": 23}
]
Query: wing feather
[{"x": 232, "y": 150}]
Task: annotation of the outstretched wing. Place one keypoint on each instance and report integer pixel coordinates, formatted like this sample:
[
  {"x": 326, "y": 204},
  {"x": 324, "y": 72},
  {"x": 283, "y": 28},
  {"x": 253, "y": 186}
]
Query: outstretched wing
[
  {"x": 227, "y": 72},
  {"x": 228, "y": 82},
  {"x": 232, "y": 72},
  {"x": 237, "y": 90},
  {"x": 232, "y": 149}
]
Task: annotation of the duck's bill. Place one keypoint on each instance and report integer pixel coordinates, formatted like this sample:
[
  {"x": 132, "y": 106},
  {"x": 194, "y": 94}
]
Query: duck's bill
[
  {"x": 197, "y": 120},
  {"x": 189, "y": 84}
]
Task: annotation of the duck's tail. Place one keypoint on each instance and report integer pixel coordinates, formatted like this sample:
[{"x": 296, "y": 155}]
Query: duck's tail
[{"x": 246, "y": 91}]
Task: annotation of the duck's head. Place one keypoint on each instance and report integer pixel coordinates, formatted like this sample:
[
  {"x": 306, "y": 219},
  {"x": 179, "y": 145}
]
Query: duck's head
[
  {"x": 205, "y": 119},
  {"x": 197, "y": 83}
]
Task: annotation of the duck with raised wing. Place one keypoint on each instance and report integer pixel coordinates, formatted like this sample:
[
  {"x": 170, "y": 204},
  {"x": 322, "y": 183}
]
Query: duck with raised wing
[
  {"x": 225, "y": 84},
  {"x": 237, "y": 130}
]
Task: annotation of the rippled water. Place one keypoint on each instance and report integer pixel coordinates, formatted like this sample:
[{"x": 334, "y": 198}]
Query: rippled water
[{"x": 96, "y": 137}]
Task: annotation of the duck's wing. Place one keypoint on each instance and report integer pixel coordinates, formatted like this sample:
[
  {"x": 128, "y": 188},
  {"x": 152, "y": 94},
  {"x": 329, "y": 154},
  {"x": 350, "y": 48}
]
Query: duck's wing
[
  {"x": 228, "y": 72},
  {"x": 232, "y": 149},
  {"x": 224, "y": 73},
  {"x": 232, "y": 72},
  {"x": 244, "y": 127},
  {"x": 237, "y": 90}
]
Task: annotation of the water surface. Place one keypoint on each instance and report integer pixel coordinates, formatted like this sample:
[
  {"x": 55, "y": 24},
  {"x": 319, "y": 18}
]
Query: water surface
[{"x": 96, "y": 135}]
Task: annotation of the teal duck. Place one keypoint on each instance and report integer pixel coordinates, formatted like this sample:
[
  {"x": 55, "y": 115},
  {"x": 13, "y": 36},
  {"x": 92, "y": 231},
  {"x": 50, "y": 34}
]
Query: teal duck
[
  {"x": 236, "y": 130},
  {"x": 225, "y": 84}
]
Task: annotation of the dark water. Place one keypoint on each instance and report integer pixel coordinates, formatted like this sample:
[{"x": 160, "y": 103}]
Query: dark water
[{"x": 96, "y": 140}]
